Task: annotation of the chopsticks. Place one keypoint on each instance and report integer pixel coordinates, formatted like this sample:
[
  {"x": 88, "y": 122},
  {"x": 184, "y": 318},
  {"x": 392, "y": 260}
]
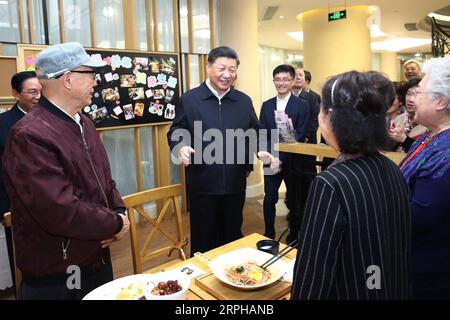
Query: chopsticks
[{"x": 280, "y": 254}]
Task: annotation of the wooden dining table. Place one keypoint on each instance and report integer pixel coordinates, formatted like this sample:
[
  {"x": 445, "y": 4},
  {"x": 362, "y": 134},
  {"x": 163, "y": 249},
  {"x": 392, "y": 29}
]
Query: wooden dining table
[
  {"x": 207, "y": 287},
  {"x": 320, "y": 150}
]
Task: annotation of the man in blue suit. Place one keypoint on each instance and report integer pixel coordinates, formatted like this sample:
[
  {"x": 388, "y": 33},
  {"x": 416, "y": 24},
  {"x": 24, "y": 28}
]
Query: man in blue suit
[
  {"x": 26, "y": 89},
  {"x": 298, "y": 111}
]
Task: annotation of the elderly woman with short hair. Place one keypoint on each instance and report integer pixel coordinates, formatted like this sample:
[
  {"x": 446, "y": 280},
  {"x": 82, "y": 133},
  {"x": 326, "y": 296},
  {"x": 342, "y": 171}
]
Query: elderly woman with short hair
[
  {"x": 355, "y": 235},
  {"x": 426, "y": 169}
]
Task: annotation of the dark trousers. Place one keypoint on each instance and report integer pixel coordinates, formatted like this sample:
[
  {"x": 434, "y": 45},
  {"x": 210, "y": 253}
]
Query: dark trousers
[
  {"x": 271, "y": 185},
  {"x": 301, "y": 173},
  {"x": 9, "y": 244},
  {"x": 55, "y": 287},
  {"x": 215, "y": 220}
]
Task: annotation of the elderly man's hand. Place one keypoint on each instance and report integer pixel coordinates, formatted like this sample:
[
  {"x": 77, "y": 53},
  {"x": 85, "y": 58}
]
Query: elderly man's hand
[
  {"x": 118, "y": 236},
  {"x": 184, "y": 155}
]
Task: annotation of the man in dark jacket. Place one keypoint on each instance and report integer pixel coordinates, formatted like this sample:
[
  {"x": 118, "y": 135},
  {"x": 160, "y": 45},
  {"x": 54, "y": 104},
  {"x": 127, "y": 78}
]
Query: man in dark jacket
[
  {"x": 216, "y": 172},
  {"x": 298, "y": 112},
  {"x": 65, "y": 207},
  {"x": 26, "y": 89}
]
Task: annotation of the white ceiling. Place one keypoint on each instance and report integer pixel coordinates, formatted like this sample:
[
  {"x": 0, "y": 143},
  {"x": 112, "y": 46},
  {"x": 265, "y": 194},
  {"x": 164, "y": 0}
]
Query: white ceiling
[{"x": 394, "y": 14}]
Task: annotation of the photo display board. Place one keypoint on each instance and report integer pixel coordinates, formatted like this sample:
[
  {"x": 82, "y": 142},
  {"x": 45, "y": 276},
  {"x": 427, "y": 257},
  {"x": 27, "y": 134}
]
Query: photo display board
[{"x": 134, "y": 88}]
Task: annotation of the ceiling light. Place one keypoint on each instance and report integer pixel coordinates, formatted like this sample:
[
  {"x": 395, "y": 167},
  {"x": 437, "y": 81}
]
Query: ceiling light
[
  {"x": 281, "y": 17},
  {"x": 395, "y": 45},
  {"x": 298, "y": 36},
  {"x": 3, "y": 2}
]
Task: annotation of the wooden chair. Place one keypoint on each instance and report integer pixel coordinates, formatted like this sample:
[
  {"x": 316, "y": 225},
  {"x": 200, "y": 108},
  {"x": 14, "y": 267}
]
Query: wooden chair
[
  {"x": 134, "y": 202},
  {"x": 18, "y": 273}
]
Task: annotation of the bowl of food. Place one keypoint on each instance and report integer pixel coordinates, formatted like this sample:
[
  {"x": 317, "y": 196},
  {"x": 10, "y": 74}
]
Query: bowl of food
[
  {"x": 167, "y": 286},
  {"x": 241, "y": 269}
]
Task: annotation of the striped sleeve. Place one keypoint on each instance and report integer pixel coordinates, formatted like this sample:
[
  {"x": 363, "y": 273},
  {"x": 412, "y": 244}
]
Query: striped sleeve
[{"x": 320, "y": 239}]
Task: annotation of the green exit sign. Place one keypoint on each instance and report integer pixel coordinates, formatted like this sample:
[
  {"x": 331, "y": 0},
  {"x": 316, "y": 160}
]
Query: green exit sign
[{"x": 337, "y": 15}]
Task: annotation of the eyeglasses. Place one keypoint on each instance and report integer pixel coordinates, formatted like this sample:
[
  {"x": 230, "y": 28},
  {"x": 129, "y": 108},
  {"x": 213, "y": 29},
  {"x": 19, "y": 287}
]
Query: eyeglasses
[
  {"x": 283, "y": 80},
  {"x": 93, "y": 73},
  {"x": 33, "y": 93},
  {"x": 413, "y": 93}
]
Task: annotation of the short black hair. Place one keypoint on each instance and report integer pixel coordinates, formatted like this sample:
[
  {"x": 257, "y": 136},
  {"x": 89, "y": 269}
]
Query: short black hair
[
  {"x": 357, "y": 108},
  {"x": 19, "y": 78},
  {"x": 222, "y": 51},
  {"x": 307, "y": 76},
  {"x": 284, "y": 68}
]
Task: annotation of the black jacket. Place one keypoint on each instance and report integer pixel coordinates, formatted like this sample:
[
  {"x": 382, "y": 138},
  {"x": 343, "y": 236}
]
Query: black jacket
[
  {"x": 7, "y": 120},
  {"x": 313, "y": 124},
  {"x": 234, "y": 111}
]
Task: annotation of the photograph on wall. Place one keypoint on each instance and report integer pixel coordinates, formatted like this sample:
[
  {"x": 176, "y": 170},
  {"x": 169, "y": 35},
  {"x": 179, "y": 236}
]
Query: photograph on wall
[
  {"x": 127, "y": 81},
  {"x": 134, "y": 88}
]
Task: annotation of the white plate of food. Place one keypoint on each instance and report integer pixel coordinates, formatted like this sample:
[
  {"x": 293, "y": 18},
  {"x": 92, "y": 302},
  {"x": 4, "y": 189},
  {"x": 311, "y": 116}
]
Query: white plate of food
[
  {"x": 240, "y": 269},
  {"x": 126, "y": 288},
  {"x": 141, "y": 287}
]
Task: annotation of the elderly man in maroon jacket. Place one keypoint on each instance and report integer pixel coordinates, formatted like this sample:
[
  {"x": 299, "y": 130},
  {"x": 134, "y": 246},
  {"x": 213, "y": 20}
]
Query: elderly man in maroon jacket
[{"x": 66, "y": 209}]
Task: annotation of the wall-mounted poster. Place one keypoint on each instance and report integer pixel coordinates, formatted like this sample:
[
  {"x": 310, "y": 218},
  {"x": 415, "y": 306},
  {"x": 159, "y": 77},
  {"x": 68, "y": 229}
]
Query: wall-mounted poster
[{"x": 134, "y": 88}]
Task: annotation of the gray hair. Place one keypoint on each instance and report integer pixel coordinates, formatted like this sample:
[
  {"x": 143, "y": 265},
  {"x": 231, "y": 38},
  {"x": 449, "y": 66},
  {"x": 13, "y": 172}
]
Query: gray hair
[
  {"x": 438, "y": 72},
  {"x": 412, "y": 61}
]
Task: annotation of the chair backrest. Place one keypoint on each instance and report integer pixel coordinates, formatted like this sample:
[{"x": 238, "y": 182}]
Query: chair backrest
[
  {"x": 18, "y": 273},
  {"x": 135, "y": 203}
]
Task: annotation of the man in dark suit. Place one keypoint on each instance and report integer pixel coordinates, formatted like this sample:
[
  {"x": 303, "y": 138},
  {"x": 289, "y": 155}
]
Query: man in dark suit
[
  {"x": 308, "y": 78},
  {"x": 300, "y": 88},
  {"x": 216, "y": 181},
  {"x": 298, "y": 111},
  {"x": 26, "y": 89}
]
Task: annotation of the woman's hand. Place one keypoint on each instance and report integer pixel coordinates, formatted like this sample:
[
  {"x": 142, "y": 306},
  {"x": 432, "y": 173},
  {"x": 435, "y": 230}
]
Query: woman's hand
[{"x": 397, "y": 134}]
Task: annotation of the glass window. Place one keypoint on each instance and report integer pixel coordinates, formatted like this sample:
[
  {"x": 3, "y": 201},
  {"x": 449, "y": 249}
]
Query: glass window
[
  {"x": 141, "y": 24},
  {"x": 77, "y": 21},
  {"x": 183, "y": 72},
  {"x": 194, "y": 71},
  {"x": 8, "y": 49},
  {"x": 165, "y": 26},
  {"x": 200, "y": 21},
  {"x": 38, "y": 22},
  {"x": 109, "y": 24},
  {"x": 148, "y": 170},
  {"x": 25, "y": 22},
  {"x": 119, "y": 145},
  {"x": 9, "y": 21},
  {"x": 174, "y": 173},
  {"x": 184, "y": 26},
  {"x": 53, "y": 22}
]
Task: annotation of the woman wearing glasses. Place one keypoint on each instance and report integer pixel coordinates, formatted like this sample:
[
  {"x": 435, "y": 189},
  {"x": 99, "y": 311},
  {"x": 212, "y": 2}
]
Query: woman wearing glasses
[
  {"x": 355, "y": 234},
  {"x": 405, "y": 129},
  {"x": 426, "y": 169}
]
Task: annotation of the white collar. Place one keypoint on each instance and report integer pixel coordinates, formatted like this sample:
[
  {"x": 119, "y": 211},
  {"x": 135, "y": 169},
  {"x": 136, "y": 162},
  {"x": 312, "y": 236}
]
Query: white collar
[
  {"x": 20, "y": 108},
  {"x": 76, "y": 117},
  {"x": 285, "y": 99},
  {"x": 214, "y": 91}
]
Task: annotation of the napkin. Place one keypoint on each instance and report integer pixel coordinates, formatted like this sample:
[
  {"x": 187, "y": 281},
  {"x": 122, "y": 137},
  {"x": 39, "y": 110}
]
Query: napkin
[{"x": 289, "y": 275}]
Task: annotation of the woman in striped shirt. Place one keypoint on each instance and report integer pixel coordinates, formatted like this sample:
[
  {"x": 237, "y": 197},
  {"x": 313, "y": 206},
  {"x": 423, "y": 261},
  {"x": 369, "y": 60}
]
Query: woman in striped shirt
[{"x": 355, "y": 236}]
